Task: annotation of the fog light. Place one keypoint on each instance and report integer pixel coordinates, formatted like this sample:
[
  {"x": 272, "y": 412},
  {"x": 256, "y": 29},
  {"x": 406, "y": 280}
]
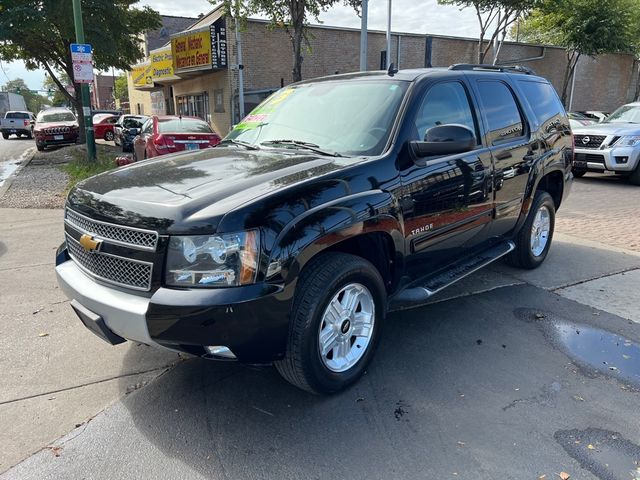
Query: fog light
[
  {"x": 621, "y": 159},
  {"x": 220, "y": 351}
]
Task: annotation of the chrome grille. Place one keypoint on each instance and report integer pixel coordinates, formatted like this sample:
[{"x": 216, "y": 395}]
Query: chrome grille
[
  {"x": 111, "y": 268},
  {"x": 589, "y": 141},
  {"x": 127, "y": 236},
  {"x": 55, "y": 130}
]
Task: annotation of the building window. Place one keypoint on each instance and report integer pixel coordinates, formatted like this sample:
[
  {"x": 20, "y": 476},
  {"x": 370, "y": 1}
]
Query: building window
[
  {"x": 193, "y": 105},
  {"x": 218, "y": 95}
]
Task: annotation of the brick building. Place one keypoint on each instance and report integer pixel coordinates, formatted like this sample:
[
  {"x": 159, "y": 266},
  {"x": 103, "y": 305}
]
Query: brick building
[
  {"x": 196, "y": 74},
  {"x": 102, "y": 92}
]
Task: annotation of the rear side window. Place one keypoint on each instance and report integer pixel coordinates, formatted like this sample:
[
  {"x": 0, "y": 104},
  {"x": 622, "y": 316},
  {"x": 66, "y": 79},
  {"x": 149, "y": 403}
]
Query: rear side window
[
  {"x": 504, "y": 121},
  {"x": 543, "y": 100},
  {"x": 17, "y": 115},
  {"x": 444, "y": 104}
]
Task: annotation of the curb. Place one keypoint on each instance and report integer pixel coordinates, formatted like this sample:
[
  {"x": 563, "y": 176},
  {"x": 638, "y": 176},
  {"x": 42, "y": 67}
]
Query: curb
[{"x": 25, "y": 159}]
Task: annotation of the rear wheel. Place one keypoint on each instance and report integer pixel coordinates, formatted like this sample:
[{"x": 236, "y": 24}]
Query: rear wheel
[
  {"x": 108, "y": 136},
  {"x": 534, "y": 238},
  {"x": 337, "y": 314}
]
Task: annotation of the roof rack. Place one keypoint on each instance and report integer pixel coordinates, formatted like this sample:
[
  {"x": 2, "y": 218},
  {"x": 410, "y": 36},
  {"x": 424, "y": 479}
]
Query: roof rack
[{"x": 493, "y": 68}]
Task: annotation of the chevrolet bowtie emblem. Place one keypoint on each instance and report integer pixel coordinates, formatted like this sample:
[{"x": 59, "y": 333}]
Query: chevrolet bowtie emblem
[{"x": 89, "y": 243}]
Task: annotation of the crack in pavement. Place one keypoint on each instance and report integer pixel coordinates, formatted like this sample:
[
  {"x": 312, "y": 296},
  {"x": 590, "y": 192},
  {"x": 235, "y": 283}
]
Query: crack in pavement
[
  {"x": 604, "y": 275},
  {"x": 66, "y": 389}
]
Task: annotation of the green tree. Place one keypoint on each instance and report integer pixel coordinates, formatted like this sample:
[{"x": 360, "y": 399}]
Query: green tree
[
  {"x": 121, "y": 91},
  {"x": 58, "y": 99},
  {"x": 291, "y": 15},
  {"x": 33, "y": 99},
  {"x": 40, "y": 32},
  {"x": 583, "y": 27},
  {"x": 494, "y": 19}
]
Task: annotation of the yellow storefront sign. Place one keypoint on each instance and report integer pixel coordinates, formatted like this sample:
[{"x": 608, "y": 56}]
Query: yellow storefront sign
[
  {"x": 161, "y": 64},
  {"x": 141, "y": 75},
  {"x": 191, "y": 51}
]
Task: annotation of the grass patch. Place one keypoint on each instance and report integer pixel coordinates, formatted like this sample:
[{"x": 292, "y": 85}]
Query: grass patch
[{"x": 79, "y": 168}]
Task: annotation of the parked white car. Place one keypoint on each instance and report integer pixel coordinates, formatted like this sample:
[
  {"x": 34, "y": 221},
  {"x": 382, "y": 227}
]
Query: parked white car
[{"x": 610, "y": 146}]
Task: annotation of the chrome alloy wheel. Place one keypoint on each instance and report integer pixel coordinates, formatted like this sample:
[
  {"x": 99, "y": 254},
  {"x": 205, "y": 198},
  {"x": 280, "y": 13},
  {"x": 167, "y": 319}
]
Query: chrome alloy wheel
[
  {"x": 540, "y": 230},
  {"x": 346, "y": 327}
]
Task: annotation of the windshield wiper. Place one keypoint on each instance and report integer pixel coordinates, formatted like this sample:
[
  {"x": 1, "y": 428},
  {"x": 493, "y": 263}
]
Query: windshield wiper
[
  {"x": 306, "y": 145},
  {"x": 247, "y": 145}
]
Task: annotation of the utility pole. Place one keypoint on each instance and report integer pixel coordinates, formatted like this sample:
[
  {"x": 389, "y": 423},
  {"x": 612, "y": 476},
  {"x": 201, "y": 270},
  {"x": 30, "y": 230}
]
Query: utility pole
[
  {"x": 84, "y": 88},
  {"x": 388, "y": 34},
  {"x": 240, "y": 69},
  {"x": 364, "y": 31}
]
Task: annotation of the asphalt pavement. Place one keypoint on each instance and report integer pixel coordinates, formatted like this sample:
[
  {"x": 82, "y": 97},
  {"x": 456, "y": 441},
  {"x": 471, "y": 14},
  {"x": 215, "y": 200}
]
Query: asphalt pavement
[
  {"x": 508, "y": 374},
  {"x": 12, "y": 152}
]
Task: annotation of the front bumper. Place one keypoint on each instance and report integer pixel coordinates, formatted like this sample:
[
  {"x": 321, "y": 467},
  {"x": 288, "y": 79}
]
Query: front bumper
[
  {"x": 616, "y": 159},
  {"x": 252, "y": 321}
]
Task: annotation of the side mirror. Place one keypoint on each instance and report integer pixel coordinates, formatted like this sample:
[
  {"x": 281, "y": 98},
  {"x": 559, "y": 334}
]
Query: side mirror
[
  {"x": 445, "y": 140},
  {"x": 134, "y": 131}
]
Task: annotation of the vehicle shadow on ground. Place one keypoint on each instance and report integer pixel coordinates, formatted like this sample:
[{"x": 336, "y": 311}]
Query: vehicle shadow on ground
[{"x": 471, "y": 386}]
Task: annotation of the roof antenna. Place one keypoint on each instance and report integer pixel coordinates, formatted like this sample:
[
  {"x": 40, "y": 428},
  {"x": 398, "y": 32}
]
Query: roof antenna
[{"x": 392, "y": 70}]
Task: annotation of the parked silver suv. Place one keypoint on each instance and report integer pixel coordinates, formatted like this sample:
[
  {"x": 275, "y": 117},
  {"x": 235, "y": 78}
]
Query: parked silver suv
[{"x": 612, "y": 145}]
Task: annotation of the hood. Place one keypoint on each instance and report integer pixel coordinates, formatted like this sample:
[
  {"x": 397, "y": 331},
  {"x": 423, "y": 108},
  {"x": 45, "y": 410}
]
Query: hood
[
  {"x": 609, "y": 129},
  {"x": 189, "y": 192}
]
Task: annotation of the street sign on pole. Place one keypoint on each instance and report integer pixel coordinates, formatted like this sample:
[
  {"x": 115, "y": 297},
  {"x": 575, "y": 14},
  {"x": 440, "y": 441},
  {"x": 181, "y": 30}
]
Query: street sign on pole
[{"x": 82, "y": 60}]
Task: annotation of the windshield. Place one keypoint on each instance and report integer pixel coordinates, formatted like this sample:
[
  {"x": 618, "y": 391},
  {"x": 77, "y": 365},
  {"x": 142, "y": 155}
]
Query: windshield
[
  {"x": 625, "y": 114},
  {"x": 347, "y": 117},
  {"x": 44, "y": 117},
  {"x": 183, "y": 125},
  {"x": 133, "y": 122}
]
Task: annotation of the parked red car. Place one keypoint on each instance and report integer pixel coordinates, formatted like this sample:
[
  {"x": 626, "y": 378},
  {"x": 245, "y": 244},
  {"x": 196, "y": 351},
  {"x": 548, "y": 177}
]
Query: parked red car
[
  {"x": 103, "y": 126},
  {"x": 55, "y": 126},
  {"x": 169, "y": 134}
]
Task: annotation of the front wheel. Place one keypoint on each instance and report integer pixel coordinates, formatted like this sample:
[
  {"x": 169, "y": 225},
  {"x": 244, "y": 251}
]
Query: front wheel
[
  {"x": 108, "y": 136},
  {"x": 534, "y": 238},
  {"x": 5, "y": 135},
  {"x": 579, "y": 173},
  {"x": 337, "y": 314}
]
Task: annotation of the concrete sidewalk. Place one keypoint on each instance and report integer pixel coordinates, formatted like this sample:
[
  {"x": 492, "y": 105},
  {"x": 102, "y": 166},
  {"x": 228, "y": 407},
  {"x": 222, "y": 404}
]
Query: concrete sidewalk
[{"x": 55, "y": 373}]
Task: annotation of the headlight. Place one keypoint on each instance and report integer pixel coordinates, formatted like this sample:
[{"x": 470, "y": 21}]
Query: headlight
[
  {"x": 225, "y": 260},
  {"x": 628, "y": 141}
]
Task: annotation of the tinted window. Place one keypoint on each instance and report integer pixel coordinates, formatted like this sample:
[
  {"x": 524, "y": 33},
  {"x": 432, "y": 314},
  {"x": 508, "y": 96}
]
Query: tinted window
[
  {"x": 501, "y": 111},
  {"x": 147, "y": 126},
  {"x": 16, "y": 115},
  {"x": 183, "y": 125},
  {"x": 543, "y": 99},
  {"x": 444, "y": 103},
  {"x": 133, "y": 122}
]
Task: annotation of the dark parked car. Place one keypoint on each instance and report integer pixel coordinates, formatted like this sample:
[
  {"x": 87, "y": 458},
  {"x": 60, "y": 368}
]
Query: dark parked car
[
  {"x": 54, "y": 127},
  {"x": 165, "y": 134},
  {"x": 126, "y": 129},
  {"x": 334, "y": 202}
]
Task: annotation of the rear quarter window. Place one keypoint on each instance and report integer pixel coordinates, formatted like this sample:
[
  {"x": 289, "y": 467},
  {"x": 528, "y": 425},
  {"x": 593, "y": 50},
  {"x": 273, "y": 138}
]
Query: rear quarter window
[
  {"x": 503, "y": 117},
  {"x": 543, "y": 100}
]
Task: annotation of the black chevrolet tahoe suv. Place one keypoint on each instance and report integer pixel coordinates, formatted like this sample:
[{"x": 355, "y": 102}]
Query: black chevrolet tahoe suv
[{"x": 334, "y": 202}]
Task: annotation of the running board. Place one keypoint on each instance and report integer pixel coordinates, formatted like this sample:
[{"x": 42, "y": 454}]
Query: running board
[{"x": 419, "y": 292}]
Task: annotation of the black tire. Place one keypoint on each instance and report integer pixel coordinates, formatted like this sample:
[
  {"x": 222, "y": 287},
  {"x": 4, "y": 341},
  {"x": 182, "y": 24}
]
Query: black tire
[
  {"x": 30, "y": 134},
  {"x": 634, "y": 178},
  {"x": 523, "y": 256},
  {"x": 40, "y": 147},
  {"x": 108, "y": 136},
  {"x": 5, "y": 136},
  {"x": 319, "y": 282},
  {"x": 579, "y": 173}
]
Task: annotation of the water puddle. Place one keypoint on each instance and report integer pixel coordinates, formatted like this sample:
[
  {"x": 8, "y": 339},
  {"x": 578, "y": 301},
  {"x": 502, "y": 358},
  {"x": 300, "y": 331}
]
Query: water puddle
[
  {"x": 606, "y": 454},
  {"x": 603, "y": 351}
]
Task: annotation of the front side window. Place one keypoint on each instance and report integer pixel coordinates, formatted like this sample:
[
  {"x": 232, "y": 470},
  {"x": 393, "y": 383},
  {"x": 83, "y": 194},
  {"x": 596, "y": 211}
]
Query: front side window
[
  {"x": 133, "y": 122},
  {"x": 504, "y": 121},
  {"x": 445, "y": 104},
  {"x": 349, "y": 117}
]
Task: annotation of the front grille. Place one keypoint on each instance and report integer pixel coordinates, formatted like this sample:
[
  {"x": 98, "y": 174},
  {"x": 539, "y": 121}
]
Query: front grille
[
  {"x": 111, "y": 268},
  {"x": 589, "y": 157},
  {"x": 127, "y": 236},
  {"x": 57, "y": 130},
  {"x": 589, "y": 141}
]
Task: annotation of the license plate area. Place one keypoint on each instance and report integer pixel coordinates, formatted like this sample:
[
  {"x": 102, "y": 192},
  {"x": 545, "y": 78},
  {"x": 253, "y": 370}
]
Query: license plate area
[
  {"x": 192, "y": 146},
  {"x": 95, "y": 323},
  {"x": 58, "y": 137}
]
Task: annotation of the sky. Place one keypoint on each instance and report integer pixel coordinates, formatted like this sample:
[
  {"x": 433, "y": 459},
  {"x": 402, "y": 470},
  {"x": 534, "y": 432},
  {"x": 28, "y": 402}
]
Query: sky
[{"x": 416, "y": 16}]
